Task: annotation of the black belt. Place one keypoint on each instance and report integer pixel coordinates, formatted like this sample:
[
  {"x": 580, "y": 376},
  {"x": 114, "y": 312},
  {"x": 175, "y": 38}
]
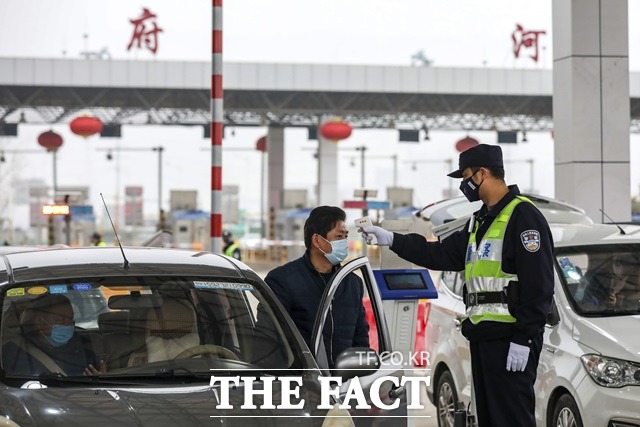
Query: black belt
[{"x": 477, "y": 298}]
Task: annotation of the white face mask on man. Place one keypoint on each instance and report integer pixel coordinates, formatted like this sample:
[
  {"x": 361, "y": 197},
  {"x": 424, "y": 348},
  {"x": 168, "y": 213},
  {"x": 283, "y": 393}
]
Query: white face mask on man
[{"x": 339, "y": 251}]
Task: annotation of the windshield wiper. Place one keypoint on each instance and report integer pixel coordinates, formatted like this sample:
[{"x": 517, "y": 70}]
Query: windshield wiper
[
  {"x": 56, "y": 378},
  {"x": 254, "y": 372},
  {"x": 615, "y": 311},
  {"x": 178, "y": 372}
]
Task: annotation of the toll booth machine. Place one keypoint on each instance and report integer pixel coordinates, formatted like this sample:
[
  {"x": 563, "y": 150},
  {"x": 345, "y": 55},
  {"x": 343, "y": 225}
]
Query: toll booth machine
[
  {"x": 402, "y": 287},
  {"x": 401, "y": 291}
]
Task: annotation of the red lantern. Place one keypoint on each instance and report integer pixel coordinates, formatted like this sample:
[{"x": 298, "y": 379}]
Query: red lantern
[
  {"x": 336, "y": 130},
  {"x": 261, "y": 144},
  {"x": 465, "y": 143},
  {"x": 50, "y": 140},
  {"x": 86, "y": 126}
]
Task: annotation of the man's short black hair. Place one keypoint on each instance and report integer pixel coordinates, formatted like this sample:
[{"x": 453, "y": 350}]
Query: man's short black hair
[
  {"x": 321, "y": 221},
  {"x": 496, "y": 171}
]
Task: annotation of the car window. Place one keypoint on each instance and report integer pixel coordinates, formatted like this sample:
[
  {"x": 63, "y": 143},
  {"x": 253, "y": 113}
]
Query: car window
[
  {"x": 356, "y": 273},
  {"x": 141, "y": 326},
  {"x": 601, "y": 280},
  {"x": 453, "y": 280}
]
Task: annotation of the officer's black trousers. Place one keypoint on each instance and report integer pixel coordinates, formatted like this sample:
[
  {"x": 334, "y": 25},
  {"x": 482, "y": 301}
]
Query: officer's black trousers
[{"x": 503, "y": 398}]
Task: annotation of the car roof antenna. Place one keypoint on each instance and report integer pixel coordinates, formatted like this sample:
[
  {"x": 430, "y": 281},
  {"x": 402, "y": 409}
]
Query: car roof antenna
[
  {"x": 613, "y": 222},
  {"x": 126, "y": 262}
]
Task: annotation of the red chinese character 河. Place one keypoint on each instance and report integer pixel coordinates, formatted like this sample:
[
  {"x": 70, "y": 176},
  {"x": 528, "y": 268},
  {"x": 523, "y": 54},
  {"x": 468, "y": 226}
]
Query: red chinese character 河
[
  {"x": 527, "y": 39},
  {"x": 142, "y": 32}
]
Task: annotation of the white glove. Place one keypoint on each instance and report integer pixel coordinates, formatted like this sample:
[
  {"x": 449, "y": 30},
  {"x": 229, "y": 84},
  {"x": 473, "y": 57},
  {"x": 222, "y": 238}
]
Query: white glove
[
  {"x": 385, "y": 238},
  {"x": 517, "y": 358}
]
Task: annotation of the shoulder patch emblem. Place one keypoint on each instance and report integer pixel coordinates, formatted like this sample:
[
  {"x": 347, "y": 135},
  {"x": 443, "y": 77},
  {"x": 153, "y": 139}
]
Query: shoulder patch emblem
[{"x": 530, "y": 240}]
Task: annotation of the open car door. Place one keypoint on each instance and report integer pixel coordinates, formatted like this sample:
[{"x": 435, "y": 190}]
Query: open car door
[{"x": 379, "y": 339}]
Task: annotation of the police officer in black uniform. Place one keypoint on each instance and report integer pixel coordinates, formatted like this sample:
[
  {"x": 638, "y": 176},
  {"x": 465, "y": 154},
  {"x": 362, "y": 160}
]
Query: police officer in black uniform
[{"x": 507, "y": 250}]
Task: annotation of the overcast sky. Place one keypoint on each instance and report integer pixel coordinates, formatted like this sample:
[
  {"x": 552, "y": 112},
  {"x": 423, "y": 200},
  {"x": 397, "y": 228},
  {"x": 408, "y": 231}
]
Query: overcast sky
[{"x": 451, "y": 33}]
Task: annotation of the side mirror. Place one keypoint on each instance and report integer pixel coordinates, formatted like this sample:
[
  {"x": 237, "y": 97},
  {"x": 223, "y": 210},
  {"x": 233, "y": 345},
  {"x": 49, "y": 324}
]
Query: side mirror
[{"x": 356, "y": 361}]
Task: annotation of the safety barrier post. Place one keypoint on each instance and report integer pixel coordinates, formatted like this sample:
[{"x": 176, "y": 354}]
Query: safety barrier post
[
  {"x": 50, "y": 230},
  {"x": 217, "y": 120}
]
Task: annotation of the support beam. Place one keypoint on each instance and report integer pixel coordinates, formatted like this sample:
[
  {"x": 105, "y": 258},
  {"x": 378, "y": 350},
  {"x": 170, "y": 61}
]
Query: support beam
[
  {"x": 591, "y": 110},
  {"x": 327, "y": 169},
  {"x": 275, "y": 170}
]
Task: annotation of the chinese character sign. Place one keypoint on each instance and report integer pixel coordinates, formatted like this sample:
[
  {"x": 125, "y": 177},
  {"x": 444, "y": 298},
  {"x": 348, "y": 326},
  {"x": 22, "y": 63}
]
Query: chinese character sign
[
  {"x": 528, "y": 39},
  {"x": 145, "y": 30}
]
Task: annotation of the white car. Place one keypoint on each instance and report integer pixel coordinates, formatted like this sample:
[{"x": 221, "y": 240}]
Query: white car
[
  {"x": 448, "y": 210},
  {"x": 589, "y": 370}
]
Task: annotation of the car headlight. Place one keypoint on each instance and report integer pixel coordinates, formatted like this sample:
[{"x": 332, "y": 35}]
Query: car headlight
[{"x": 609, "y": 372}]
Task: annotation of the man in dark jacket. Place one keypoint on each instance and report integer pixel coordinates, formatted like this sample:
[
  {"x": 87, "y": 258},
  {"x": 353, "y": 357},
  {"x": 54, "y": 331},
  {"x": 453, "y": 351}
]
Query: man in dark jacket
[{"x": 300, "y": 284}]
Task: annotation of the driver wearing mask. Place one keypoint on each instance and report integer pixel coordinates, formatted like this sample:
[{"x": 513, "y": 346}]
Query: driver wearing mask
[
  {"x": 299, "y": 285},
  {"x": 625, "y": 284},
  {"x": 48, "y": 342}
]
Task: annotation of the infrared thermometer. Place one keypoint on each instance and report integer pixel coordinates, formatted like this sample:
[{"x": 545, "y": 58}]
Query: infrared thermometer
[{"x": 363, "y": 222}]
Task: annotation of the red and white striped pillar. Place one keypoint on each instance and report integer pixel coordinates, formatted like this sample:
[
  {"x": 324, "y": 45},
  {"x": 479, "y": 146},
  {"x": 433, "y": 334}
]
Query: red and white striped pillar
[{"x": 217, "y": 119}]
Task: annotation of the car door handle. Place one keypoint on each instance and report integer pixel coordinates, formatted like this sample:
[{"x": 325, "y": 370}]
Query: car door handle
[
  {"x": 457, "y": 323},
  {"x": 396, "y": 392},
  {"x": 550, "y": 350}
]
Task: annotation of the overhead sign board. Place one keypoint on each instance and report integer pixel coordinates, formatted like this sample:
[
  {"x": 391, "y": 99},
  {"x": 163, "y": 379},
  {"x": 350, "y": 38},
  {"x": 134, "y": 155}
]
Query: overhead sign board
[
  {"x": 81, "y": 210},
  {"x": 133, "y": 205},
  {"x": 354, "y": 204},
  {"x": 366, "y": 204},
  {"x": 373, "y": 204},
  {"x": 60, "y": 209}
]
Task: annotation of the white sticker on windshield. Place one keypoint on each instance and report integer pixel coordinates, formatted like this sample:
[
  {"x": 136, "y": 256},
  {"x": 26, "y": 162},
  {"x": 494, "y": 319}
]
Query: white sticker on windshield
[
  {"x": 58, "y": 289},
  {"x": 223, "y": 285}
]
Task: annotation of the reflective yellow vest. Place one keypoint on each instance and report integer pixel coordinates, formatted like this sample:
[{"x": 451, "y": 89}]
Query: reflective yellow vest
[
  {"x": 483, "y": 267},
  {"x": 230, "y": 250}
]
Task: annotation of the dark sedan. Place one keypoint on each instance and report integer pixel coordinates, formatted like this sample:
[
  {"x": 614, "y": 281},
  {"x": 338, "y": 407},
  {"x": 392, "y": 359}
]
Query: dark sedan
[{"x": 89, "y": 339}]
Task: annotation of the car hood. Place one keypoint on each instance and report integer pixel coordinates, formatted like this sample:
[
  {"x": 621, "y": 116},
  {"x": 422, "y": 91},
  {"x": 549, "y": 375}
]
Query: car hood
[
  {"x": 610, "y": 336},
  {"x": 146, "y": 406}
]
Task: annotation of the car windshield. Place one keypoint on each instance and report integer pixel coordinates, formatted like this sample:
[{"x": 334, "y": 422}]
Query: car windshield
[
  {"x": 140, "y": 326},
  {"x": 602, "y": 280}
]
